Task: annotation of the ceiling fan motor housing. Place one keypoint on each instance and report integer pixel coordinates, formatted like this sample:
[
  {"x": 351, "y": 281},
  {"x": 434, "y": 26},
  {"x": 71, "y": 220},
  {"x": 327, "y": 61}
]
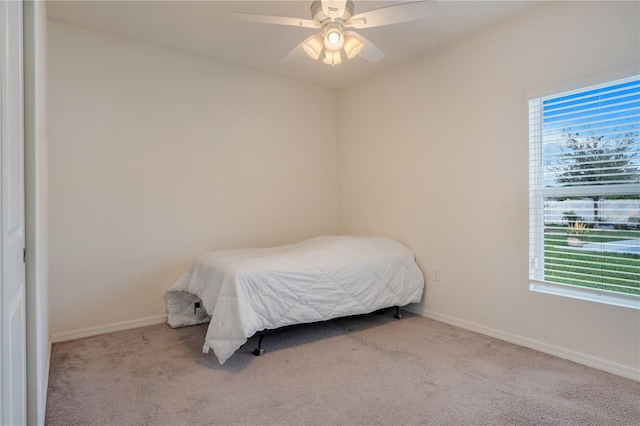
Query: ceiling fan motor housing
[{"x": 322, "y": 18}]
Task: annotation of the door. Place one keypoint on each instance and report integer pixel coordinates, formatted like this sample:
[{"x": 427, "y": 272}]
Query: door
[{"x": 12, "y": 285}]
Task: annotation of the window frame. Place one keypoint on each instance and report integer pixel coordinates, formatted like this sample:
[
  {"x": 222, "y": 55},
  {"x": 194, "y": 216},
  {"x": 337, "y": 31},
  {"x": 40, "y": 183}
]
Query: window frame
[{"x": 538, "y": 192}]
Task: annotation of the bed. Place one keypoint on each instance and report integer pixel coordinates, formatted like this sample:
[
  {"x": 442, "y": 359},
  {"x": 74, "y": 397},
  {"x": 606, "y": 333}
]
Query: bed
[{"x": 244, "y": 291}]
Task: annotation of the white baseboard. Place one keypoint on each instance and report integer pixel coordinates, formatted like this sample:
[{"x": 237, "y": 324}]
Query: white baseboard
[
  {"x": 108, "y": 328},
  {"x": 580, "y": 358}
]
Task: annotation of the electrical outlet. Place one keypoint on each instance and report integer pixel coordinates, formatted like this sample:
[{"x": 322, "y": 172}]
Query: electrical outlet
[{"x": 435, "y": 274}]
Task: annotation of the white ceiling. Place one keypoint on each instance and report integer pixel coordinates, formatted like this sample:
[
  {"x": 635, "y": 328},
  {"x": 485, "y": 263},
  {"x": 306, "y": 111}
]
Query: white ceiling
[{"x": 204, "y": 28}]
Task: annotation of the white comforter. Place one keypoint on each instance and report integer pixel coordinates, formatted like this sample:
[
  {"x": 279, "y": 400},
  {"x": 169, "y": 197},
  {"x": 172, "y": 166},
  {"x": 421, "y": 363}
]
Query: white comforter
[{"x": 243, "y": 291}]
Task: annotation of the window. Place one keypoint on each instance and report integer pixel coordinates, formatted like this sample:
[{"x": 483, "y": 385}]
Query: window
[{"x": 584, "y": 208}]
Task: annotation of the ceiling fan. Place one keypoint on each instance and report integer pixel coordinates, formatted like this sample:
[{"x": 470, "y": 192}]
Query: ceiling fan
[{"x": 332, "y": 17}]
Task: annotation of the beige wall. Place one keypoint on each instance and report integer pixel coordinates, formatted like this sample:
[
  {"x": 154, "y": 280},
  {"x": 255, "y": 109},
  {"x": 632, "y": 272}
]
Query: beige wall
[
  {"x": 156, "y": 157},
  {"x": 435, "y": 154}
]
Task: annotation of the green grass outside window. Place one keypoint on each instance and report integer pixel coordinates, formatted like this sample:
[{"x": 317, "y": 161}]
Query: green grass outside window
[{"x": 587, "y": 268}]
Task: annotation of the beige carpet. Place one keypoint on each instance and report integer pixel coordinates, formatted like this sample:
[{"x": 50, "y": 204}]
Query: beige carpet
[{"x": 370, "y": 369}]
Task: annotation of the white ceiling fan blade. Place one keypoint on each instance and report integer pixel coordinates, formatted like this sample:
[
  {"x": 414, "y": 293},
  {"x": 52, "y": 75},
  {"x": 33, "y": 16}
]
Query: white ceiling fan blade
[
  {"x": 393, "y": 14},
  {"x": 270, "y": 19},
  {"x": 370, "y": 51},
  {"x": 294, "y": 54},
  {"x": 333, "y": 8}
]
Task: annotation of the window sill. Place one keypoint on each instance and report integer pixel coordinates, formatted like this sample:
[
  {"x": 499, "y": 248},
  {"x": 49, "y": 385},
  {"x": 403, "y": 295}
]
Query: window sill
[{"x": 588, "y": 294}]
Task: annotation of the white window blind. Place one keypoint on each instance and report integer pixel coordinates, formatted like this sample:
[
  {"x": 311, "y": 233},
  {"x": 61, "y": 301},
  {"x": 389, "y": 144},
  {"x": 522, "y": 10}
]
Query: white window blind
[{"x": 584, "y": 214}]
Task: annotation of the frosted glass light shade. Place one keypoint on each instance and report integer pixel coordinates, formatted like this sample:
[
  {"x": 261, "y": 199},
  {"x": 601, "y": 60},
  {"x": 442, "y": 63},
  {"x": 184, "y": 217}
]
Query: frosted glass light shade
[
  {"x": 313, "y": 46},
  {"x": 333, "y": 40},
  {"x": 332, "y": 58},
  {"x": 352, "y": 46}
]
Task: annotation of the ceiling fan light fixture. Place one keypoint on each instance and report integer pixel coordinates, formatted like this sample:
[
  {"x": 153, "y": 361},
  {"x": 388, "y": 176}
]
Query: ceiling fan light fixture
[
  {"x": 313, "y": 46},
  {"x": 352, "y": 46},
  {"x": 332, "y": 58}
]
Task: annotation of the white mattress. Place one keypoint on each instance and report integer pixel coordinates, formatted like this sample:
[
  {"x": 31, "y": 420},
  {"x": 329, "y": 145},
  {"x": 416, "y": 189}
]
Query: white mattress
[{"x": 244, "y": 291}]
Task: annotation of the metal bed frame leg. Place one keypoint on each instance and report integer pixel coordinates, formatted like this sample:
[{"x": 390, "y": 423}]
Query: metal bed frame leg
[
  {"x": 397, "y": 314},
  {"x": 259, "y": 351}
]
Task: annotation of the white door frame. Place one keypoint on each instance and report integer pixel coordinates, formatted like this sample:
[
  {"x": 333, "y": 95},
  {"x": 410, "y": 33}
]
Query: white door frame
[{"x": 36, "y": 201}]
